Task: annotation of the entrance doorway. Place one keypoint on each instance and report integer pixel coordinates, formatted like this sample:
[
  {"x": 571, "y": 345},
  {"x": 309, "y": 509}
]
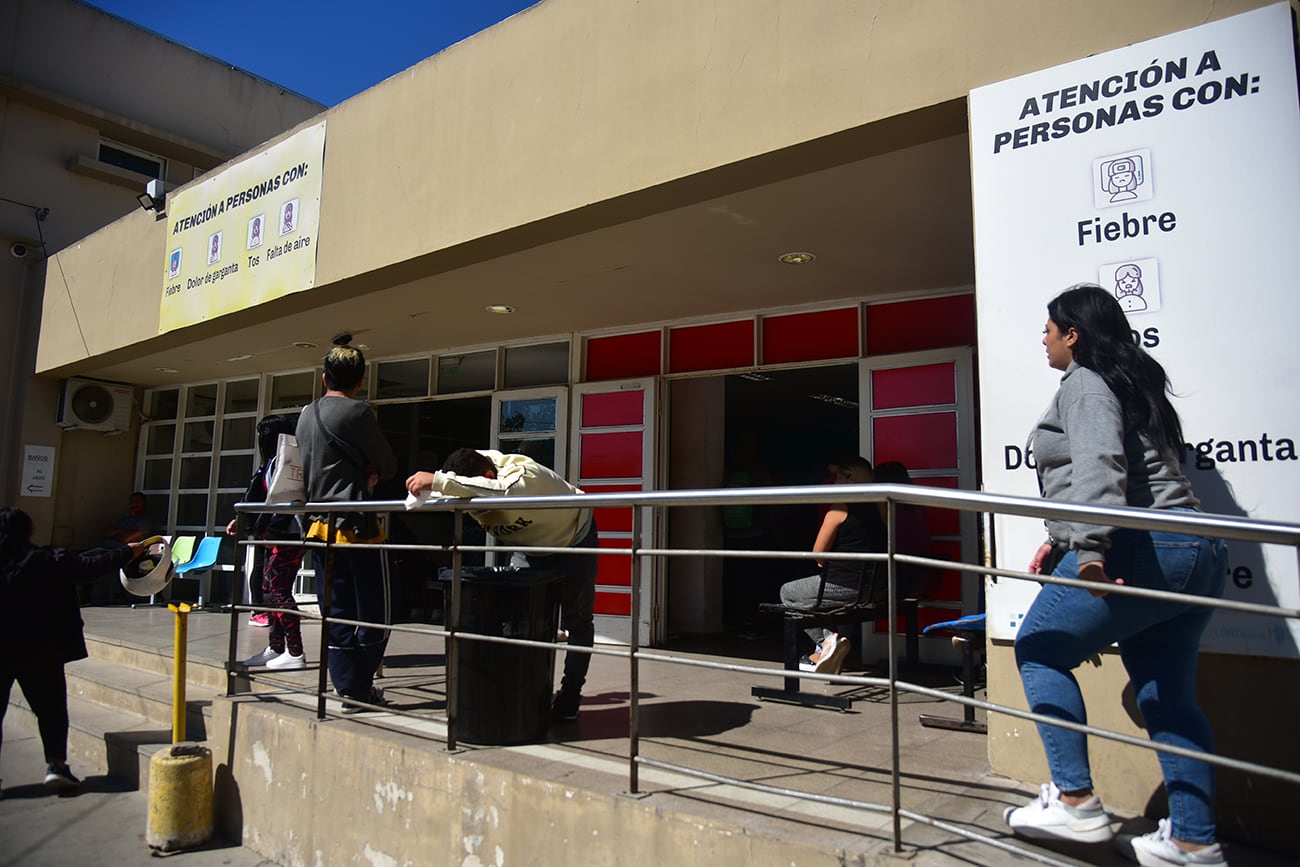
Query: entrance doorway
[{"x": 774, "y": 427}]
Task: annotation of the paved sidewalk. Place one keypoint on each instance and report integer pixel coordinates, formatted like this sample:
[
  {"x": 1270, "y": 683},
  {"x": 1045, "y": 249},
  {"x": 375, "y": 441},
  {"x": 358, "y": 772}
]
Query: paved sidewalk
[{"x": 102, "y": 823}]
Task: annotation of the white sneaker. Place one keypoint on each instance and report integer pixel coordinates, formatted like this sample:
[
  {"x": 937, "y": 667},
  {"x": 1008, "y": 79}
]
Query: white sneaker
[
  {"x": 1157, "y": 849},
  {"x": 262, "y": 658},
  {"x": 287, "y": 662},
  {"x": 834, "y": 649},
  {"x": 1047, "y": 817}
]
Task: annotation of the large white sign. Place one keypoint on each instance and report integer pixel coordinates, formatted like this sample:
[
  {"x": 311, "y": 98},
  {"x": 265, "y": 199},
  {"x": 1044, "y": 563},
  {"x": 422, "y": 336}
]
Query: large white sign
[{"x": 1169, "y": 173}]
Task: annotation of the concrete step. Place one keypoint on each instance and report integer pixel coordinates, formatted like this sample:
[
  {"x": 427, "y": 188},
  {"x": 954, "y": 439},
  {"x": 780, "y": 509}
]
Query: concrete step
[
  {"x": 138, "y": 692},
  {"x": 200, "y": 673},
  {"x": 101, "y": 739}
]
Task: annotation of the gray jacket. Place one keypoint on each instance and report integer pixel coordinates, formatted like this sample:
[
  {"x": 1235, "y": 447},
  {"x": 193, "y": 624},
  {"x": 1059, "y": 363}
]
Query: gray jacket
[
  {"x": 338, "y": 438},
  {"x": 1084, "y": 455}
]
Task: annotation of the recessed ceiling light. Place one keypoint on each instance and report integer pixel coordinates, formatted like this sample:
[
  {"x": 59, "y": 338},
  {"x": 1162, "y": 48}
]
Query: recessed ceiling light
[
  {"x": 796, "y": 258},
  {"x": 239, "y": 357},
  {"x": 304, "y": 344},
  {"x": 166, "y": 370},
  {"x": 500, "y": 308}
]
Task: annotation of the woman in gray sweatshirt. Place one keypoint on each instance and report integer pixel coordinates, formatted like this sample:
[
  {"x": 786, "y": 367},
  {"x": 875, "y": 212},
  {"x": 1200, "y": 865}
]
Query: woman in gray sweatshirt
[{"x": 1111, "y": 437}]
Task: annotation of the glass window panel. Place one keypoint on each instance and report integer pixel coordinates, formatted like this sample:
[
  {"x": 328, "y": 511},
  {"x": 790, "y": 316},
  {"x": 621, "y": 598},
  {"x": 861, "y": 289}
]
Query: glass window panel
[
  {"x": 162, "y": 404},
  {"x": 160, "y": 440},
  {"x": 158, "y": 474},
  {"x": 241, "y": 395},
  {"x": 623, "y": 355},
  {"x": 191, "y": 510},
  {"x": 201, "y": 400},
  {"x": 198, "y": 437},
  {"x": 474, "y": 371},
  {"x": 541, "y": 450},
  {"x": 234, "y": 471},
  {"x": 547, "y": 364},
  {"x": 226, "y": 510},
  {"x": 403, "y": 378},
  {"x": 522, "y": 416},
  {"x": 237, "y": 433},
  {"x": 292, "y": 390},
  {"x": 196, "y": 472}
]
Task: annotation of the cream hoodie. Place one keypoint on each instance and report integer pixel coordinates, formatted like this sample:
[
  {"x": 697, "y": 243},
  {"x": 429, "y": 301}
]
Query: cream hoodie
[{"x": 517, "y": 476}]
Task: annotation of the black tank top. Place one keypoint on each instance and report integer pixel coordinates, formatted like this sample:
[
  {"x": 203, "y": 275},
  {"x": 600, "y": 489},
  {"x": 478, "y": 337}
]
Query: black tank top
[{"x": 862, "y": 531}]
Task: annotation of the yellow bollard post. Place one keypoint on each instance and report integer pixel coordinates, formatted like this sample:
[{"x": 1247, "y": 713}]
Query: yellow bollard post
[
  {"x": 180, "y": 797},
  {"x": 178, "y": 670},
  {"x": 180, "y": 776}
]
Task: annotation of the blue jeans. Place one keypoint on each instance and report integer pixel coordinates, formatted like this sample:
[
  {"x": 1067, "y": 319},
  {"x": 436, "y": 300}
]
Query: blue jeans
[{"x": 1158, "y": 644}]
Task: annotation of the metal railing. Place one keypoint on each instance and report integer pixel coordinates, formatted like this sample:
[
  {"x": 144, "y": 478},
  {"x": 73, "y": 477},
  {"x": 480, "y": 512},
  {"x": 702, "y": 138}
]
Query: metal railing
[{"x": 892, "y": 495}]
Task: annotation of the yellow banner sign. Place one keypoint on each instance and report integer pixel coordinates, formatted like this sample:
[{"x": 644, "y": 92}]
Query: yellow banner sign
[{"x": 246, "y": 235}]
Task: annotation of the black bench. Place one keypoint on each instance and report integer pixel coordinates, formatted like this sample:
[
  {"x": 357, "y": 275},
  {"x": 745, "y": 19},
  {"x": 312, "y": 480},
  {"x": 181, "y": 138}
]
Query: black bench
[{"x": 798, "y": 619}]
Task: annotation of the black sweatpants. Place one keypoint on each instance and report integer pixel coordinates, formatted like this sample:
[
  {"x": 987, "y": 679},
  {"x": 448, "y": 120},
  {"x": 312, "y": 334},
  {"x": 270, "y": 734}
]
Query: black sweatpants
[{"x": 46, "y": 689}]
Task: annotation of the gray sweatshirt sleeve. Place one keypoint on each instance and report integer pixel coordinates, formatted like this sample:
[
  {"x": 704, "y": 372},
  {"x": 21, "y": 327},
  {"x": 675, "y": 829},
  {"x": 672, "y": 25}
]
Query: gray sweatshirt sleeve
[{"x": 1094, "y": 426}]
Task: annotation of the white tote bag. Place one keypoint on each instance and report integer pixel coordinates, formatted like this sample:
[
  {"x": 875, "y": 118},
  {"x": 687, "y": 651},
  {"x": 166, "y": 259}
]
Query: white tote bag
[{"x": 285, "y": 481}]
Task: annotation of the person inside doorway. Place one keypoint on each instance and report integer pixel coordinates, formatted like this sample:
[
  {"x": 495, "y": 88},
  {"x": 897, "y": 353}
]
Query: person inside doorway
[
  {"x": 134, "y": 525},
  {"x": 846, "y": 528},
  {"x": 488, "y": 473}
]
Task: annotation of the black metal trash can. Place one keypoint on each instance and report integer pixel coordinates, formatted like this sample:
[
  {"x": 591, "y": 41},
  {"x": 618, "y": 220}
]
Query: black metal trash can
[{"x": 504, "y": 692}]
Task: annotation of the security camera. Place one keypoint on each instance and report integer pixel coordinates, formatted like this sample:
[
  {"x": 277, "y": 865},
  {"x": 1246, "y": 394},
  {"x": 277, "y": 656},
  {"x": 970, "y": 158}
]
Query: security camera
[{"x": 18, "y": 250}]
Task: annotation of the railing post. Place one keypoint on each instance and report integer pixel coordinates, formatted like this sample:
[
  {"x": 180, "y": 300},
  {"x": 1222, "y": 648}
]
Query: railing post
[
  {"x": 634, "y": 677},
  {"x": 232, "y": 681},
  {"x": 891, "y": 526},
  {"x": 451, "y": 620},
  {"x": 323, "y": 598}
]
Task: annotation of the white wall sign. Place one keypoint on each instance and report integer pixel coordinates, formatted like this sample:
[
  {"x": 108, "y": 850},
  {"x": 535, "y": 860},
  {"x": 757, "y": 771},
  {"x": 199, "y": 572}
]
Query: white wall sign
[
  {"x": 38, "y": 471},
  {"x": 1167, "y": 172}
]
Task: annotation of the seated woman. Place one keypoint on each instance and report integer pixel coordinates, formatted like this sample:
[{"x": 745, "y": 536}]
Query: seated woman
[{"x": 846, "y": 528}]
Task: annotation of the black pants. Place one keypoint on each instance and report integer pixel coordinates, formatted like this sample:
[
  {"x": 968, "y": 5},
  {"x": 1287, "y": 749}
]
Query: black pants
[
  {"x": 577, "y": 601},
  {"x": 46, "y": 689},
  {"x": 359, "y": 590}
]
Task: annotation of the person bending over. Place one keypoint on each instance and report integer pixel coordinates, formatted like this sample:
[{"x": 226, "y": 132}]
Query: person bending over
[{"x": 486, "y": 473}]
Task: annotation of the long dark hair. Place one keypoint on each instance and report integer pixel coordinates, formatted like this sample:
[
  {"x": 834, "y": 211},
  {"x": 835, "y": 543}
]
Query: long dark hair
[
  {"x": 268, "y": 433},
  {"x": 15, "y": 530},
  {"x": 1106, "y": 347}
]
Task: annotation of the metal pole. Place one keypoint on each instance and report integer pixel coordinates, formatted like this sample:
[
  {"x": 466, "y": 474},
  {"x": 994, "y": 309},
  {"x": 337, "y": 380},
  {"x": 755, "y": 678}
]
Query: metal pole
[
  {"x": 451, "y": 619},
  {"x": 634, "y": 704},
  {"x": 891, "y": 526},
  {"x": 178, "y": 670},
  {"x": 323, "y": 599},
  {"x": 233, "y": 646}
]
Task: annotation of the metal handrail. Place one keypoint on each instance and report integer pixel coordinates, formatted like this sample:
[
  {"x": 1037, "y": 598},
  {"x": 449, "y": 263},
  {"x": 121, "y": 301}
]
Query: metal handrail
[{"x": 1196, "y": 523}]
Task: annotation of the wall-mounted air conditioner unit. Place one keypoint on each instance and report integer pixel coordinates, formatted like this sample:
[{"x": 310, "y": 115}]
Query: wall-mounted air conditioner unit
[{"x": 89, "y": 405}]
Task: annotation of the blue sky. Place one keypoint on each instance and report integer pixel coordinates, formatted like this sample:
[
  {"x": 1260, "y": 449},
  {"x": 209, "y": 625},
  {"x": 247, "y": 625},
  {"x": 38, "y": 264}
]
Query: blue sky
[{"x": 326, "y": 50}]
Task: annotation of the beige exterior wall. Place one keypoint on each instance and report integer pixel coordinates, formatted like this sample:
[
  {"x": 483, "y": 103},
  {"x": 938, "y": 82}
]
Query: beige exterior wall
[
  {"x": 70, "y": 75},
  {"x": 569, "y": 104}
]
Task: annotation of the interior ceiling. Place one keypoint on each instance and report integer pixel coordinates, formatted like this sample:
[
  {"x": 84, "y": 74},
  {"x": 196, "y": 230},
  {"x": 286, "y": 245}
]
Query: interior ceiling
[{"x": 893, "y": 223}]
